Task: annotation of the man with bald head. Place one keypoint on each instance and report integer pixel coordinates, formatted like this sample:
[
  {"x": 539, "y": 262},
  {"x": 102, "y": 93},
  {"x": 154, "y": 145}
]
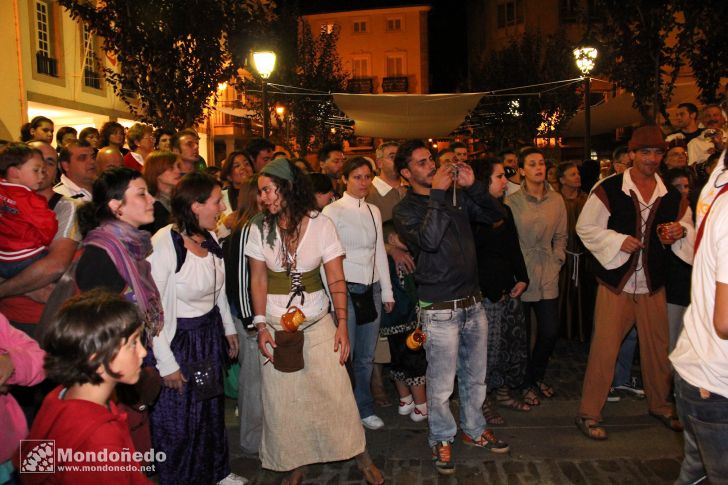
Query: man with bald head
[{"x": 108, "y": 157}]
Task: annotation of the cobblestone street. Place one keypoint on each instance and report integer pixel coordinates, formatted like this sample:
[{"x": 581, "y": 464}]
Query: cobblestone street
[{"x": 546, "y": 447}]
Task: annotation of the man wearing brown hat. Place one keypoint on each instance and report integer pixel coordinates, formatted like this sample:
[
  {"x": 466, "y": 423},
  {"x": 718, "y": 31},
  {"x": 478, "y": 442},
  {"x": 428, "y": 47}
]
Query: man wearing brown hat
[{"x": 629, "y": 223}]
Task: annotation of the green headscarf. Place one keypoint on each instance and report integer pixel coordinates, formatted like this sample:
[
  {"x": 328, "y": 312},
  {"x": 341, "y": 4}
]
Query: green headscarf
[{"x": 280, "y": 167}]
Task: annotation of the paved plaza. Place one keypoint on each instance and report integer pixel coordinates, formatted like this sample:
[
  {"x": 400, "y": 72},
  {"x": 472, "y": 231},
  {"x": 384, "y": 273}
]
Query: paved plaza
[{"x": 546, "y": 447}]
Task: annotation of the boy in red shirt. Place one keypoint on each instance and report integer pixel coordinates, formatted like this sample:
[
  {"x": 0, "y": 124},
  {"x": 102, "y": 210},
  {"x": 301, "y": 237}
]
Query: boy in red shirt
[
  {"x": 94, "y": 343},
  {"x": 27, "y": 225}
]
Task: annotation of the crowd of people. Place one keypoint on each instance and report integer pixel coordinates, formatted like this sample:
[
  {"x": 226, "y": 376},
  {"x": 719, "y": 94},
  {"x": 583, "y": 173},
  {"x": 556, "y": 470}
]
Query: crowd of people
[{"x": 132, "y": 276}]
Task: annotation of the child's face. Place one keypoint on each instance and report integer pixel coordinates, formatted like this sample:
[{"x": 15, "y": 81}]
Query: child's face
[
  {"x": 29, "y": 174},
  {"x": 128, "y": 362}
]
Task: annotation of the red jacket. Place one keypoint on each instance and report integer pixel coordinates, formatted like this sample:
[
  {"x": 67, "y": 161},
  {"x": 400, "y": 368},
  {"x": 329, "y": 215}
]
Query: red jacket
[
  {"x": 131, "y": 162},
  {"x": 27, "y": 225},
  {"x": 86, "y": 427}
]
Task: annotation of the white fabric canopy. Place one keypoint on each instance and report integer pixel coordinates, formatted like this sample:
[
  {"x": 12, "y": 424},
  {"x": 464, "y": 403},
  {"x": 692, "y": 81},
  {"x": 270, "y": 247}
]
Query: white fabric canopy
[{"x": 406, "y": 115}]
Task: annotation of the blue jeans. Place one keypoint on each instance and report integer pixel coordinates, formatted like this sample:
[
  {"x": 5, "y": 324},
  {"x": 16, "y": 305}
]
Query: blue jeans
[
  {"x": 457, "y": 342},
  {"x": 363, "y": 341},
  {"x": 706, "y": 434},
  {"x": 623, "y": 369}
]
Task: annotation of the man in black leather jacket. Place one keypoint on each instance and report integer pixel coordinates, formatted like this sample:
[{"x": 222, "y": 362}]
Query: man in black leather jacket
[{"x": 434, "y": 222}]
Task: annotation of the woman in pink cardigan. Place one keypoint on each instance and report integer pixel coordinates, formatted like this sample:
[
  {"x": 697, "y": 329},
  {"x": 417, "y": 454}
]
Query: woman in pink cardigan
[{"x": 21, "y": 363}]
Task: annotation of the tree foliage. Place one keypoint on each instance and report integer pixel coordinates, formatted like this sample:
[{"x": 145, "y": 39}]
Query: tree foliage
[
  {"x": 171, "y": 53},
  {"x": 646, "y": 44},
  {"x": 636, "y": 52},
  {"x": 509, "y": 118}
]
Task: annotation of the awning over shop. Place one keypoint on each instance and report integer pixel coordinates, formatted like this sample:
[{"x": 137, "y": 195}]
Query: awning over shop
[{"x": 406, "y": 115}]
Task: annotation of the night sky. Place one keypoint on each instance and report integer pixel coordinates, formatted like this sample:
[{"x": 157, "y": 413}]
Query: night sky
[{"x": 447, "y": 24}]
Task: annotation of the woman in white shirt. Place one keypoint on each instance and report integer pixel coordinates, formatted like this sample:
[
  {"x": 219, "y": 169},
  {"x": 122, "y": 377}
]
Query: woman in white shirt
[
  {"x": 359, "y": 226},
  {"x": 188, "y": 420},
  {"x": 309, "y": 415}
]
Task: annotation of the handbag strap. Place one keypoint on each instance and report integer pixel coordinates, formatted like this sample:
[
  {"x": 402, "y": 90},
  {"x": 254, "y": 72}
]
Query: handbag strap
[
  {"x": 374, "y": 223},
  {"x": 699, "y": 235}
]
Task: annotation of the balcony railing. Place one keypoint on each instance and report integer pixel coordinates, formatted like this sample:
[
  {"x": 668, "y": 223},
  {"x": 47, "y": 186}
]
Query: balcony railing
[
  {"x": 362, "y": 85},
  {"x": 395, "y": 84},
  {"x": 46, "y": 65}
]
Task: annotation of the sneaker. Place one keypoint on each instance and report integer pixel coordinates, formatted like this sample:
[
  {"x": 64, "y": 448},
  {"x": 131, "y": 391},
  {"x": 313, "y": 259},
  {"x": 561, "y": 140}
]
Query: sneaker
[
  {"x": 613, "y": 396},
  {"x": 418, "y": 414},
  {"x": 488, "y": 441},
  {"x": 633, "y": 387},
  {"x": 233, "y": 479},
  {"x": 442, "y": 456},
  {"x": 406, "y": 408},
  {"x": 373, "y": 422}
]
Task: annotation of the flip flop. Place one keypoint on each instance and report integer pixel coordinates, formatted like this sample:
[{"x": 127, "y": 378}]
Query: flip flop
[{"x": 670, "y": 421}]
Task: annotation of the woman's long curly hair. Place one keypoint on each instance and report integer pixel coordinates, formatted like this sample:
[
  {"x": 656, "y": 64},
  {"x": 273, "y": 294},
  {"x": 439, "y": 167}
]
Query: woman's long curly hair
[{"x": 297, "y": 202}]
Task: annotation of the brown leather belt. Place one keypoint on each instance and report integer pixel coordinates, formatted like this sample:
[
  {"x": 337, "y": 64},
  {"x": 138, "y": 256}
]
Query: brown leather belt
[{"x": 455, "y": 304}]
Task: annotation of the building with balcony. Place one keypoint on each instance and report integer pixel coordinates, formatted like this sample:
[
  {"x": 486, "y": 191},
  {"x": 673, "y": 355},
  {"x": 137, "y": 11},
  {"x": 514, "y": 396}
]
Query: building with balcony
[
  {"x": 53, "y": 66},
  {"x": 384, "y": 49}
]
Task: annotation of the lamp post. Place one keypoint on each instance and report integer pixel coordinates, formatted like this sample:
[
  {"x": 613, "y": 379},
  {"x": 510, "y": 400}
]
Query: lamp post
[
  {"x": 585, "y": 60},
  {"x": 265, "y": 62}
]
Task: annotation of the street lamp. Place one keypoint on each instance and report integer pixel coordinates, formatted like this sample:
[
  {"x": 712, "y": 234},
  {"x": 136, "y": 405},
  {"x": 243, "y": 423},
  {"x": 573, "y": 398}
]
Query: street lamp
[
  {"x": 585, "y": 60},
  {"x": 265, "y": 62}
]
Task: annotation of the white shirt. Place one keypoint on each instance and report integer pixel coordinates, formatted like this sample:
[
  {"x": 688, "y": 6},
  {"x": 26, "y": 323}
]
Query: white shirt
[
  {"x": 193, "y": 291},
  {"x": 138, "y": 158},
  {"x": 69, "y": 188},
  {"x": 605, "y": 244},
  {"x": 319, "y": 245},
  {"x": 382, "y": 187},
  {"x": 358, "y": 233},
  {"x": 700, "y": 356},
  {"x": 512, "y": 188}
]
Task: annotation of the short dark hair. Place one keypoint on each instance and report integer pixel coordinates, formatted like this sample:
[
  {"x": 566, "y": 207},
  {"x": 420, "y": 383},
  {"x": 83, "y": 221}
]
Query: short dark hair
[
  {"x": 507, "y": 151},
  {"x": 227, "y": 167},
  {"x": 106, "y": 130},
  {"x": 320, "y": 183},
  {"x": 257, "y": 145},
  {"x": 178, "y": 136},
  {"x": 159, "y": 132},
  {"x": 526, "y": 152},
  {"x": 355, "y": 163},
  {"x": 65, "y": 154},
  {"x": 404, "y": 153},
  {"x": 618, "y": 152},
  {"x": 63, "y": 131},
  {"x": 111, "y": 184},
  {"x": 458, "y": 144},
  {"x": 86, "y": 132},
  {"x": 674, "y": 173},
  {"x": 690, "y": 107},
  {"x": 326, "y": 150},
  {"x": 88, "y": 332},
  {"x": 194, "y": 187},
  {"x": 562, "y": 167},
  {"x": 15, "y": 154}
]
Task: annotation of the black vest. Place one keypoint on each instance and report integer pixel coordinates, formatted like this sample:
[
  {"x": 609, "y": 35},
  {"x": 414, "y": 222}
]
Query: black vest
[{"x": 624, "y": 217}]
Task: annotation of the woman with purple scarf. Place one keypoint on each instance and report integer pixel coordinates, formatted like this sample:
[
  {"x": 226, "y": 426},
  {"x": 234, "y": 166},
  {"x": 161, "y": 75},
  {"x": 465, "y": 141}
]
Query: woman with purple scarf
[
  {"x": 114, "y": 252},
  {"x": 188, "y": 420}
]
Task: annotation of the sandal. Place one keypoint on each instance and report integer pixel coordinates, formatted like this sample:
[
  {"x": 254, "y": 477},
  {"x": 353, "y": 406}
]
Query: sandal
[
  {"x": 545, "y": 390},
  {"x": 671, "y": 421},
  {"x": 591, "y": 428},
  {"x": 491, "y": 415},
  {"x": 530, "y": 397},
  {"x": 504, "y": 398}
]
